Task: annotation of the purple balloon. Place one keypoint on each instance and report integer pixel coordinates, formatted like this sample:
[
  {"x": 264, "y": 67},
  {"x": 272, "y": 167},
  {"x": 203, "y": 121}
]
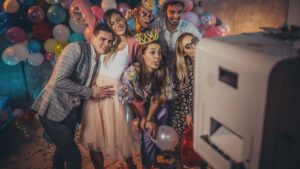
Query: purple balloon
[
  {"x": 35, "y": 14},
  {"x": 18, "y": 113},
  {"x": 123, "y": 7}
]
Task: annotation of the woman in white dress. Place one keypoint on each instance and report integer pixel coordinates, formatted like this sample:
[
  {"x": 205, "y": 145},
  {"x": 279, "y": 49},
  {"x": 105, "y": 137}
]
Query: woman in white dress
[{"x": 104, "y": 129}]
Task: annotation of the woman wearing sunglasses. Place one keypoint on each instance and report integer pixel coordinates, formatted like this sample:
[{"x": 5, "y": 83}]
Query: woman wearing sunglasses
[{"x": 184, "y": 84}]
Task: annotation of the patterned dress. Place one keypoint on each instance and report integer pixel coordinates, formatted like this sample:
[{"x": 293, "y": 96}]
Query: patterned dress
[
  {"x": 131, "y": 90},
  {"x": 183, "y": 103}
]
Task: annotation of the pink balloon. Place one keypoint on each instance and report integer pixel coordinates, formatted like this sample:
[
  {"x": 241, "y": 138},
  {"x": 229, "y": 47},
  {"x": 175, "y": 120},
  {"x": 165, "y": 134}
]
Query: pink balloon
[
  {"x": 192, "y": 18},
  {"x": 66, "y": 4},
  {"x": 35, "y": 14},
  {"x": 16, "y": 35},
  {"x": 98, "y": 12},
  {"x": 49, "y": 56},
  {"x": 189, "y": 6},
  {"x": 87, "y": 33},
  {"x": 207, "y": 20},
  {"x": 212, "y": 32},
  {"x": 224, "y": 29},
  {"x": 123, "y": 7},
  {"x": 166, "y": 138}
]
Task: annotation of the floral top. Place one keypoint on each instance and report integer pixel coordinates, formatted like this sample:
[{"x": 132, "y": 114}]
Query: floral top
[
  {"x": 130, "y": 88},
  {"x": 184, "y": 100}
]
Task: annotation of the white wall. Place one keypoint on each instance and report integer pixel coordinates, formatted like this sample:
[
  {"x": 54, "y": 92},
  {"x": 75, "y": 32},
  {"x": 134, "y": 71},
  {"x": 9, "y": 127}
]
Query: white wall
[{"x": 294, "y": 12}]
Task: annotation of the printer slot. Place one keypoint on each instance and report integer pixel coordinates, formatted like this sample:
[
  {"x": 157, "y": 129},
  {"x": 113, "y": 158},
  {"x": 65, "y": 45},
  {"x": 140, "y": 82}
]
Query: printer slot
[{"x": 228, "y": 77}]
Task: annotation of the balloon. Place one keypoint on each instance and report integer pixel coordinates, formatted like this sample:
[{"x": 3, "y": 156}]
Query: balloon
[
  {"x": 49, "y": 45},
  {"x": 3, "y": 117},
  {"x": 41, "y": 31},
  {"x": 9, "y": 58},
  {"x": 20, "y": 51},
  {"x": 75, "y": 13},
  {"x": 27, "y": 118},
  {"x": 59, "y": 47},
  {"x": 27, "y": 2},
  {"x": 76, "y": 37},
  {"x": 98, "y": 12},
  {"x": 212, "y": 32},
  {"x": 61, "y": 33},
  {"x": 189, "y": 156},
  {"x": 66, "y": 4},
  {"x": 198, "y": 10},
  {"x": 123, "y": 7},
  {"x": 52, "y": 1},
  {"x": 15, "y": 35},
  {"x": 166, "y": 138},
  {"x": 18, "y": 113},
  {"x": 192, "y": 18},
  {"x": 35, "y": 14},
  {"x": 224, "y": 29},
  {"x": 189, "y": 6},
  {"x": 3, "y": 22},
  {"x": 56, "y": 14},
  {"x": 36, "y": 59},
  {"x": 108, "y": 4},
  {"x": 49, "y": 56},
  {"x": 34, "y": 46},
  {"x": 207, "y": 20},
  {"x": 87, "y": 33},
  {"x": 77, "y": 26},
  {"x": 11, "y": 6}
]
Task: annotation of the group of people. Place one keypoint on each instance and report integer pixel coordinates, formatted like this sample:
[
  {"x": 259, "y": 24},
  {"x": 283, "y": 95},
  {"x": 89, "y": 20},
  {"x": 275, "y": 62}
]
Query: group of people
[{"x": 150, "y": 72}]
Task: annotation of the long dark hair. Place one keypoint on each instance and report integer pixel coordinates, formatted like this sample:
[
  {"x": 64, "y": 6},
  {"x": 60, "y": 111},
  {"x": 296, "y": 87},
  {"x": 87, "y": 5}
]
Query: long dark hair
[{"x": 157, "y": 79}]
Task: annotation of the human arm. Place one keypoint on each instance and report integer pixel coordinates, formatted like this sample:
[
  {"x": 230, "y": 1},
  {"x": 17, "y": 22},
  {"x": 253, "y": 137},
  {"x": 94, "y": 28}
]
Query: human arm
[{"x": 87, "y": 14}]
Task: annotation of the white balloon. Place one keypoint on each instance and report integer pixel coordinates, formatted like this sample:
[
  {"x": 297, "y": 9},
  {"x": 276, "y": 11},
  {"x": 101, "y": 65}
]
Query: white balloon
[
  {"x": 9, "y": 57},
  {"x": 61, "y": 33},
  {"x": 77, "y": 26},
  {"x": 21, "y": 51},
  {"x": 36, "y": 59},
  {"x": 166, "y": 138}
]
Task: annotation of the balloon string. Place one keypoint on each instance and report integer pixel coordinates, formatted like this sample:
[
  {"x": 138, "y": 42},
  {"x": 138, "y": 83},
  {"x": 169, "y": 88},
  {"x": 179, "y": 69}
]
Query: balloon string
[{"x": 25, "y": 79}]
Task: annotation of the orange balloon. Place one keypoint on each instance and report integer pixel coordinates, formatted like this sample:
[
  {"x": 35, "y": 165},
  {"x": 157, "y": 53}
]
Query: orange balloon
[{"x": 11, "y": 6}]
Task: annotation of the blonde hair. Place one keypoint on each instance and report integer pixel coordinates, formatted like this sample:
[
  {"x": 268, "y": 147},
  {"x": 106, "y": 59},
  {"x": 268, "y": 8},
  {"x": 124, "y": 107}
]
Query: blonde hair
[{"x": 181, "y": 68}]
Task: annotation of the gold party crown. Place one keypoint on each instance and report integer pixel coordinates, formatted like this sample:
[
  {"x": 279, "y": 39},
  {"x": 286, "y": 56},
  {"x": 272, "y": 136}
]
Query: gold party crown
[
  {"x": 147, "y": 37},
  {"x": 148, "y": 4}
]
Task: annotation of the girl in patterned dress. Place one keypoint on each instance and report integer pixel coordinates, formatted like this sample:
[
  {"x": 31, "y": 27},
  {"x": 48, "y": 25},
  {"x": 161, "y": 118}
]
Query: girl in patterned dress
[{"x": 184, "y": 84}]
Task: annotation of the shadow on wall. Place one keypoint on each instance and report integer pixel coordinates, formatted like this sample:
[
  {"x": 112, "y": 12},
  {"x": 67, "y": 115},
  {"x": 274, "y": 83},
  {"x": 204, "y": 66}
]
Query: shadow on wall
[
  {"x": 19, "y": 82},
  {"x": 249, "y": 16}
]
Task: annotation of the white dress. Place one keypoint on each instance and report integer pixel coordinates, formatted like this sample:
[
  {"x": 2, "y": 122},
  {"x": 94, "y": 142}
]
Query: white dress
[{"x": 104, "y": 127}]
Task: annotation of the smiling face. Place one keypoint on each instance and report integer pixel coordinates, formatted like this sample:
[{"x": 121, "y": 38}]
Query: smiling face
[
  {"x": 152, "y": 56},
  {"x": 174, "y": 13},
  {"x": 144, "y": 17},
  {"x": 102, "y": 42},
  {"x": 118, "y": 24}
]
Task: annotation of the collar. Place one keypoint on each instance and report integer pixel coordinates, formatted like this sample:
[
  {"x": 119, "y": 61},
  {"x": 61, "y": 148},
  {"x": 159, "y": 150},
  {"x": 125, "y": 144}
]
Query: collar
[{"x": 93, "y": 52}]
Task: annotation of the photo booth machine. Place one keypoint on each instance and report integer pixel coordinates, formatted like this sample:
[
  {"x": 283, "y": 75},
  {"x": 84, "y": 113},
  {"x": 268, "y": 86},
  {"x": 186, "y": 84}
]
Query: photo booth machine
[{"x": 247, "y": 102}]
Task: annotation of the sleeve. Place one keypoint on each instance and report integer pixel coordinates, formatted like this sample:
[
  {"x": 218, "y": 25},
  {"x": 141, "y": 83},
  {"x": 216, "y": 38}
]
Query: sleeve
[
  {"x": 126, "y": 90},
  {"x": 87, "y": 14},
  {"x": 63, "y": 70},
  {"x": 189, "y": 89}
]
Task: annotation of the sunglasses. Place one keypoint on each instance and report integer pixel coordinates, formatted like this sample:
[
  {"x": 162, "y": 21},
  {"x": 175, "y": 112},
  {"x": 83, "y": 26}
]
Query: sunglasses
[
  {"x": 144, "y": 14},
  {"x": 194, "y": 42}
]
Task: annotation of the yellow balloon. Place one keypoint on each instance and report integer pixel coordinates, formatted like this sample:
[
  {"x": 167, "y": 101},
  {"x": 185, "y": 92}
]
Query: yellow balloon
[
  {"x": 50, "y": 45},
  {"x": 11, "y": 6},
  {"x": 59, "y": 47}
]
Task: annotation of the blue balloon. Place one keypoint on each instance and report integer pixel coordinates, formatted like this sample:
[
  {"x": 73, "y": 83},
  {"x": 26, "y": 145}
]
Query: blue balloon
[
  {"x": 76, "y": 37},
  {"x": 131, "y": 24},
  {"x": 3, "y": 22},
  {"x": 34, "y": 46},
  {"x": 27, "y": 2},
  {"x": 56, "y": 14}
]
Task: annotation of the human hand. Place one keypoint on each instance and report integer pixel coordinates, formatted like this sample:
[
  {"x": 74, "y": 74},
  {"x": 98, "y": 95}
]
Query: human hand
[
  {"x": 189, "y": 120},
  {"x": 129, "y": 14},
  {"x": 102, "y": 91},
  {"x": 150, "y": 127}
]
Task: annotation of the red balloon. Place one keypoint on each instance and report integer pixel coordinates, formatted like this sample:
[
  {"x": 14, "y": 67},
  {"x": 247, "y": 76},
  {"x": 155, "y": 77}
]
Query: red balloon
[
  {"x": 27, "y": 118},
  {"x": 41, "y": 31},
  {"x": 16, "y": 35},
  {"x": 189, "y": 156},
  {"x": 212, "y": 32},
  {"x": 35, "y": 14}
]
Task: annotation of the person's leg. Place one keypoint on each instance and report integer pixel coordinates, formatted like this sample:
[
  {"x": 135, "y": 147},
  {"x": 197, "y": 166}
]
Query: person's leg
[
  {"x": 97, "y": 159},
  {"x": 130, "y": 163},
  {"x": 62, "y": 134}
]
